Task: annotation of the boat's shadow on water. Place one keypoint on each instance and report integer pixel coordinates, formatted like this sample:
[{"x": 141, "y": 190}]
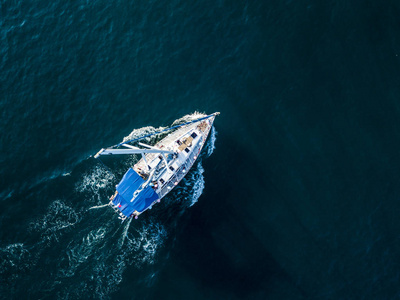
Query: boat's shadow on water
[{"x": 219, "y": 243}]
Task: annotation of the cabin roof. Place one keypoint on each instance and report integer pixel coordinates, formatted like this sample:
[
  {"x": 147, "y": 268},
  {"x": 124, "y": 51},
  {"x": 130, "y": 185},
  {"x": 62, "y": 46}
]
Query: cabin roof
[{"x": 126, "y": 188}]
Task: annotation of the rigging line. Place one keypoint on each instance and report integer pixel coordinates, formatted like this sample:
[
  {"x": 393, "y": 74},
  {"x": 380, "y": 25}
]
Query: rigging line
[{"x": 170, "y": 128}]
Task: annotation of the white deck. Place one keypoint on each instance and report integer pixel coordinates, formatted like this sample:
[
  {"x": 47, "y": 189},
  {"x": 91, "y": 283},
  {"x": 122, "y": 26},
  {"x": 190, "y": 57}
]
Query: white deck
[
  {"x": 163, "y": 165},
  {"x": 167, "y": 178}
]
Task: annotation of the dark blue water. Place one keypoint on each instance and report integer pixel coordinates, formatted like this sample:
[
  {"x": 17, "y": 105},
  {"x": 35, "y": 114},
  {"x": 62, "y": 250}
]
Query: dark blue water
[{"x": 296, "y": 195}]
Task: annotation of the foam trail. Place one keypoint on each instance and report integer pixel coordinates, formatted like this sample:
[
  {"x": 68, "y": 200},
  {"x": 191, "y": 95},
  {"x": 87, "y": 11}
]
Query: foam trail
[
  {"x": 98, "y": 206},
  {"x": 150, "y": 238},
  {"x": 93, "y": 253},
  {"x": 94, "y": 183},
  {"x": 136, "y": 133},
  {"x": 125, "y": 231},
  {"x": 188, "y": 118},
  {"x": 198, "y": 185},
  {"x": 211, "y": 143},
  {"x": 58, "y": 218}
]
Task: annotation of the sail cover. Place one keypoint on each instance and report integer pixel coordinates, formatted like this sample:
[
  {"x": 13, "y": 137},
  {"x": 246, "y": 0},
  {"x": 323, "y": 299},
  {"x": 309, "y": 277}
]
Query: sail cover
[{"x": 126, "y": 188}]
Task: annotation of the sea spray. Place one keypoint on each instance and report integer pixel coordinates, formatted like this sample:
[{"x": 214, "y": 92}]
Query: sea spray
[
  {"x": 148, "y": 239},
  {"x": 94, "y": 182},
  {"x": 198, "y": 184},
  {"x": 137, "y": 133},
  {"x": 58, "y": 218},
  {"x": 211, "y": 143}
]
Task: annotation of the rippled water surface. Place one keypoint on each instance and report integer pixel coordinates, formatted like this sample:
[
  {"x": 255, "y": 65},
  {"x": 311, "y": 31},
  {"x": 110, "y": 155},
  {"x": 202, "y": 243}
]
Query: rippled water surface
[{"x": 295, "y": 195}]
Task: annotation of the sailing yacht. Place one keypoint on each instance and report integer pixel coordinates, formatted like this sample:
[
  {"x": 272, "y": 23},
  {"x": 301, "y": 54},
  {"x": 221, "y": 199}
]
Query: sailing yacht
[{"x": 161, "y": 167}]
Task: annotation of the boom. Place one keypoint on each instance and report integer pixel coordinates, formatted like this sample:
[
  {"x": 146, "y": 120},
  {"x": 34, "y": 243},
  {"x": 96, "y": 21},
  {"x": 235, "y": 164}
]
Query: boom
[
  {"x": 110, "y": 151},
  {"x": 135, "y": 150}
]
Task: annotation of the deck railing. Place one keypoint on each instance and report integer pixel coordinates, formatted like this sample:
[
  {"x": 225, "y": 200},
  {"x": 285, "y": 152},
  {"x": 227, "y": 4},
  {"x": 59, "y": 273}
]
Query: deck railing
[{"x": 181, "y": 172}]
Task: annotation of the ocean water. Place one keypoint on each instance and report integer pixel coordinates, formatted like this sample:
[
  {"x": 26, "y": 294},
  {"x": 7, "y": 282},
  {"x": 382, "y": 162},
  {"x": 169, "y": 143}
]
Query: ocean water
[{"x": 296, "y": 195}]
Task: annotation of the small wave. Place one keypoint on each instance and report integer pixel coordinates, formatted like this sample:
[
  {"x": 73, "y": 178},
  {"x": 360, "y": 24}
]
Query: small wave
[
  {"x": 136, "y": 133},
  {"x": 6, "y": 194},
  {"x": 198, "y": 185},
  {"x": 149, "y": 238},
  {"x": 188, "y": 118},
  {"x": 94, "y": 182},
  {"x": 15, "y": 261},
  {"x": 59, "y": 217},
  {"x": 79, "y": 252},
  {"x": 98, "y": 178},
  {"x": 211, "y": 143},
  {"x": 104, "y": 262},
  {"x": 14, "y": 257},
  {"x": 192, "y": 187},
  {"x": 95, "y": 236}
]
